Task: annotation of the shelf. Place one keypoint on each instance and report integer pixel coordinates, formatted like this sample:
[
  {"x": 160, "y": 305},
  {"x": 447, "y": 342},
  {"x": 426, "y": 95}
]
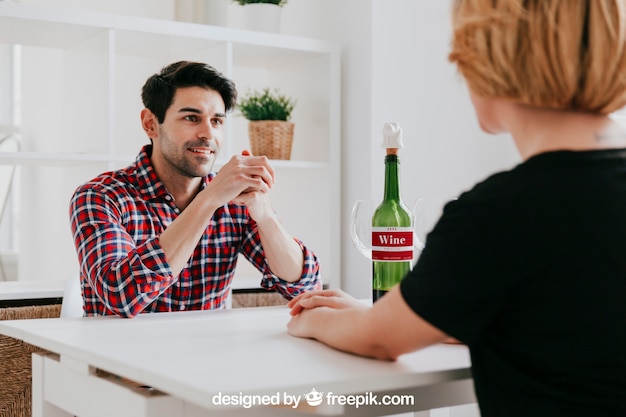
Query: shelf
[
  {"x": 44, "y": 158},
  {"x": 95, "y": 65},
  {"x": 9, "y": 129},
  {"x": 282, "y": 163},
  {"x": 56, "y": 28},
  {"x": 31, "y": 290}
]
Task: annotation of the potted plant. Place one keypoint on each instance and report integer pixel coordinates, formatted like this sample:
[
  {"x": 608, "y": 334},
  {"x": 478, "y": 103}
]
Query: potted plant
[
  {"x": 263, "y": 15},
  {"x": 269, "y": 128}
]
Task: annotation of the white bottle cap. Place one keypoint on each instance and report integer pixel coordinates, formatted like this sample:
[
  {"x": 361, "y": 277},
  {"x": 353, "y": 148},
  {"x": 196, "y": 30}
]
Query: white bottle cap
[{"x": 392, "y": 134}]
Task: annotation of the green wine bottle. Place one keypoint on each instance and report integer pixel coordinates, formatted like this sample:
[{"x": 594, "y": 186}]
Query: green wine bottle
[{"x": 392, "y": 231}]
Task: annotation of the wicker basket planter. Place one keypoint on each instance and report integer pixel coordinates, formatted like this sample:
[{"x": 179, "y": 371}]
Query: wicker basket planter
[
  {"x": 16, "y": 362},
  {"x": 272, "y": 138}
]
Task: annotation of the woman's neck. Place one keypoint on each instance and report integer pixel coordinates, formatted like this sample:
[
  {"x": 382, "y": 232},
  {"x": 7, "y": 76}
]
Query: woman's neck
[{"x": 537, "y": 131}]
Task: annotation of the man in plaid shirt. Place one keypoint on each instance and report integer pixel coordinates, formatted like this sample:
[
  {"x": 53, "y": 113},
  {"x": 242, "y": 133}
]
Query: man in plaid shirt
[{"x": 164, "y": 234}]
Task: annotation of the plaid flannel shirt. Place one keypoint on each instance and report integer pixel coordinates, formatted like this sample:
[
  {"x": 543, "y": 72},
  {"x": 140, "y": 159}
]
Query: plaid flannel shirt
[{"x": 116, "y": 221}]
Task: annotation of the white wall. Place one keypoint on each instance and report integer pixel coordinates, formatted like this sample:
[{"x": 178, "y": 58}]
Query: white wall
[
  {"x": 413, "y": 83},
  {"x": 159, "y": 9},
  {"x": 6, "y": 120},
  {"x": 396, "y": 68}
]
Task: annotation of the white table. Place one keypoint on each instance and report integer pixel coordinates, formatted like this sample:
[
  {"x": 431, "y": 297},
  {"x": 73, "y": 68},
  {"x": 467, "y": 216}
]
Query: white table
[{"x": 193, "y": 359}]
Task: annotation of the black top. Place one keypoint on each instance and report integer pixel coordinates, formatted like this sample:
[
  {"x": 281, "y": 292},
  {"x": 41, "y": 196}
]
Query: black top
[{"x": 529, "y": 269}]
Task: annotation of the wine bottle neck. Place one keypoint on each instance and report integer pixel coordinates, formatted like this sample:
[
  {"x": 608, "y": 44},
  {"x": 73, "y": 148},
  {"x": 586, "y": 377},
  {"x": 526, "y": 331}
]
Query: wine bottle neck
[{"x": 392, "y": 181}]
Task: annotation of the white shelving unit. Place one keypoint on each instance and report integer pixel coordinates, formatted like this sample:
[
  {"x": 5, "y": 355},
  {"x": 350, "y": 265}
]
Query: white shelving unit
[{"x": 81, "y": 75}]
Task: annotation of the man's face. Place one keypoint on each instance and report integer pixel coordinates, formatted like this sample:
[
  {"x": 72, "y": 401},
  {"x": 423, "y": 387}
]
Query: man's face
[{"x": 191, "y": 135}]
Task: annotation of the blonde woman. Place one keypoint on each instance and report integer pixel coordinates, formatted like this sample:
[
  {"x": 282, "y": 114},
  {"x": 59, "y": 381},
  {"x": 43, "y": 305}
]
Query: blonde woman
[{"x": 528, "y": 268}]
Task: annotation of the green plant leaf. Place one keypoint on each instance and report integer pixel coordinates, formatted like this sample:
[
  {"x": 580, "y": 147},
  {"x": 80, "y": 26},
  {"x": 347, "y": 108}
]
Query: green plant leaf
[{"x": 266, "y": 105}]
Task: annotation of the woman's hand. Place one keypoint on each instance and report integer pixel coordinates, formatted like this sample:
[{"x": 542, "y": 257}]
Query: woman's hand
[
  {"x": 336, "y": 299},
  {"x": 314, "y": 310}
]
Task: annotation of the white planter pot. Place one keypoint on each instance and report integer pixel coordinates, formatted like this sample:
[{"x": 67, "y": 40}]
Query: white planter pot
[
  {"x": 215, "y": 12},
  {"x": 208, "y": 12},
  {"x": 263, "y": 17}
]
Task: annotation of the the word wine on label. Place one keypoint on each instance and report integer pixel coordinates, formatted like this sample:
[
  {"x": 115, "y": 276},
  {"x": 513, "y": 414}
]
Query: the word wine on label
[{"x": 392, "y": 244}]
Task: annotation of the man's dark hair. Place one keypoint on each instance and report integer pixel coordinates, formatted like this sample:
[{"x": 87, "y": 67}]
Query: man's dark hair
[{"x": 158, "y": 92}]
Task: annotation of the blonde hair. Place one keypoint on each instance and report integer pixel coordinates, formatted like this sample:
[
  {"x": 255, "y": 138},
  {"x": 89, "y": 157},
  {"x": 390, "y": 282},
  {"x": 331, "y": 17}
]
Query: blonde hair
[{"x": 561, "y": 54}]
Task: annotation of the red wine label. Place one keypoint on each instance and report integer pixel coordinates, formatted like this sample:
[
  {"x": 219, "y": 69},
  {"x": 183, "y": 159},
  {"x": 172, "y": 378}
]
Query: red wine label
[{"x": 392, "y": 244}]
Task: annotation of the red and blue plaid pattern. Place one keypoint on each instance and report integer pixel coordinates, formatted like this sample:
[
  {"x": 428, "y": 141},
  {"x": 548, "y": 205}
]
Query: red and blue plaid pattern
[{"x": 116, "y": 220}]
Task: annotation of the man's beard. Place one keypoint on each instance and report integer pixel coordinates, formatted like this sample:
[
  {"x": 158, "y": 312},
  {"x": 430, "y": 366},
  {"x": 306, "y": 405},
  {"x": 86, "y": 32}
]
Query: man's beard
[{"x": 182, "y": 162}]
